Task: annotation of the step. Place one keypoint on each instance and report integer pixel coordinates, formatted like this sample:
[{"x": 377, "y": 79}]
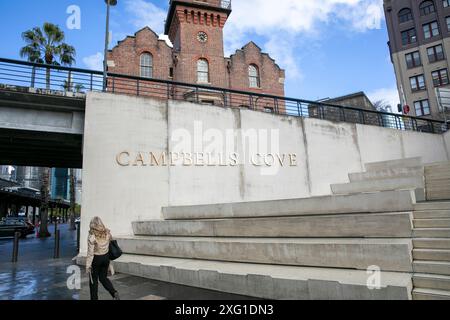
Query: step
[
  {"x": 441, "y": 167},
  {"x": 378, "y": 202},
  {"x": 334, "y": 253},
  {"x": 379, "y": 185},
  {"x": 373, "y": 225},
  {"x": 400, "y": 163},
  {"x": 431, "y": 233},
  {"x": 430, "y": 294},
  {"x": 267, "y": 281},
  {"x": 432, "y": 214},
  {"x": 432, "y": 205},
  {"x": 387, "y": 174},
  {"x": 431, "y": 223},
  {"x": 430, "y": 281},
  {"x": 432, "y": 243},
  {"x": 438, "y": 195},
  {"x": 432, "y": 267},
  {"x": 431, "y": 254}
]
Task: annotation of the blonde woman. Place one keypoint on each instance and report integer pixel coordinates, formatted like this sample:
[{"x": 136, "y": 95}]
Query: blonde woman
[{"x": 98, "y": 262}]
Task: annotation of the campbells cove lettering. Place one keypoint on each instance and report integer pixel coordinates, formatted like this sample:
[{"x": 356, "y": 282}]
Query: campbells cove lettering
[{"x": 200, "y": 159}]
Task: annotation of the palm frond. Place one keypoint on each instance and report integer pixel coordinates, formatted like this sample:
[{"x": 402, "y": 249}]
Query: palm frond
[{"x": 53, "y": 33}]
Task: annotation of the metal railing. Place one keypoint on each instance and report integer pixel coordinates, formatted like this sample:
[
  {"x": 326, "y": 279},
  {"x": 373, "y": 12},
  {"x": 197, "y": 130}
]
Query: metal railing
[{"x": 58, "y": 78}]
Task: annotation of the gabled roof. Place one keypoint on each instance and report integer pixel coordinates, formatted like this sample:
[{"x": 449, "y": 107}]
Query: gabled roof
[
  {"x": 252, "y": 43},
  {"x": 147, "y": 28}
]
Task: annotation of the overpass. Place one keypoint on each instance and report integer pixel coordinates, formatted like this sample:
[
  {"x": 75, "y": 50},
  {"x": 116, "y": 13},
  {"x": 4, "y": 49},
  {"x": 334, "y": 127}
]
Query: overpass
[{"x": 42, "y": 109}]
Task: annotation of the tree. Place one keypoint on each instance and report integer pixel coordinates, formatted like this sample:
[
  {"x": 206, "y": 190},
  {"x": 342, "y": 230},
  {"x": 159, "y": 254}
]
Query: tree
[
  {"x": 45, "y": 198},
  {"x": 72, "y": 199},
  {"x": 382, "y": 105},
  {"x": 70, "y": 86},
  {"x": 47, "y": 46}
]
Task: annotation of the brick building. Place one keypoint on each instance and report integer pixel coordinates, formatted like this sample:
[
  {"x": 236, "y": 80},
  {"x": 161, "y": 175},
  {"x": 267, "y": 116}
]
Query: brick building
[{"x": 195, "y": 28}]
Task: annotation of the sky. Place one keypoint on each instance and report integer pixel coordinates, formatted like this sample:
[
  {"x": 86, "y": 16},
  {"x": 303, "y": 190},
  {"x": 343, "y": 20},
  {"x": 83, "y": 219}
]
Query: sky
[{"x": 329, "y": 48}]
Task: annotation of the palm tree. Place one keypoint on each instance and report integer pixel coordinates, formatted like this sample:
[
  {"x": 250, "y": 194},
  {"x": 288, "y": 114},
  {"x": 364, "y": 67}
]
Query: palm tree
[{"x": 47, "y": 46}]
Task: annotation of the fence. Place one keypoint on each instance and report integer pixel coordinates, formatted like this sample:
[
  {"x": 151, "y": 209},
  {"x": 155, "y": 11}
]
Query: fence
[{"x": 58, "y": 78}]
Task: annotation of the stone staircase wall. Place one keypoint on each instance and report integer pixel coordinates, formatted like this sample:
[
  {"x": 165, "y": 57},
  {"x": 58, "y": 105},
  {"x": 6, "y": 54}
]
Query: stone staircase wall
[{"x": 312, "y": 248}]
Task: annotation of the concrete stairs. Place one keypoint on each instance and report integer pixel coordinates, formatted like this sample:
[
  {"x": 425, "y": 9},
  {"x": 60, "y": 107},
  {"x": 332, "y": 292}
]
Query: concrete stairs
[
  {"x": 267, "y": 281},
  {"x": 437, "y": 181},
  {"x": 431, "y": 252},
  {"x": 406, "y": 174},
  {"x": 314, "y": 248}
]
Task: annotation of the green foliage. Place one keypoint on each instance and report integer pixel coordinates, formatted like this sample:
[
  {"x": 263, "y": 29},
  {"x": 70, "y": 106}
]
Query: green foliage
[{"x": 46, "y": 45}]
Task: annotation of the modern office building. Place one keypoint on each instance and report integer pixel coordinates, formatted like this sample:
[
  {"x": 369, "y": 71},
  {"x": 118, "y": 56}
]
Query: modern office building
[{"x": 419, "y": 43}]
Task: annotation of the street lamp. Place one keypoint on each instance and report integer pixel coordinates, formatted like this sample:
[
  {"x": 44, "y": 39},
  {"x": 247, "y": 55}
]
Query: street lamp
[{"x": 109, "y": 3}]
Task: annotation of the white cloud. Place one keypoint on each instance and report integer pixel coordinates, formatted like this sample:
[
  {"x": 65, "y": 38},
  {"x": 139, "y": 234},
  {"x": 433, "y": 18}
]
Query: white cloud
[
  {"x": 281, "y": 23},
  {"x": 283, "y": 52},
  {"x": 388, "y": 95},
  {"x": 94, "y": 62},
  {"x": 145, "y": 14},
  {"x": 288, "y": 21}
]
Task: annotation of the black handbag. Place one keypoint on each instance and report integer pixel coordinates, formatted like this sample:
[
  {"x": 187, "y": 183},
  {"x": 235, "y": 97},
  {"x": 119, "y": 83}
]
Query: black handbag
[{"x": 114, "y": 250}]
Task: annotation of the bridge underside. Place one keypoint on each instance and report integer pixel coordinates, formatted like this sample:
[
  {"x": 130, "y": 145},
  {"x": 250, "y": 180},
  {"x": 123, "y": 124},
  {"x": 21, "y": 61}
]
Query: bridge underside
[
  {"x": 40, "y": 149},
  {"x": 41, "y": 128}
]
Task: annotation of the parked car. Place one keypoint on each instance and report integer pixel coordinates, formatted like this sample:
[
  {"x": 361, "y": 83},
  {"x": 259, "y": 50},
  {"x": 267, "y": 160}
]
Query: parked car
[{"x": 9, "y": 226}]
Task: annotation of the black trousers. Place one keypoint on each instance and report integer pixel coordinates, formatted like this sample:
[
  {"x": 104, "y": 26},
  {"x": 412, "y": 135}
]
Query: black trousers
[{"x": 100, "y": 267}]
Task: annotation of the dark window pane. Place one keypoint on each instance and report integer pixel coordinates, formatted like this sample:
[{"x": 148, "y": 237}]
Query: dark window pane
[
  {"x": 405, "y": 15},
  {"x": 426, "y": 8}
]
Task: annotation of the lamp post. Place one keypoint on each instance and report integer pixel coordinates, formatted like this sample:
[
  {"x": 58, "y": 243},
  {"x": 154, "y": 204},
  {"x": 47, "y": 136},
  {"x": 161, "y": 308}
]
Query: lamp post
[{"x": 109, "y": 3}]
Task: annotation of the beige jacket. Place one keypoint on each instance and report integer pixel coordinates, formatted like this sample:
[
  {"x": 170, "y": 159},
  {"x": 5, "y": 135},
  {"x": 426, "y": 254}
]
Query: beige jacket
[{"x": 98, "y": 247}]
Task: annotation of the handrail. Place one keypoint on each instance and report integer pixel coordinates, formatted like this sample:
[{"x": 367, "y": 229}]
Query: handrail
[{"x": 75, "y": 76}]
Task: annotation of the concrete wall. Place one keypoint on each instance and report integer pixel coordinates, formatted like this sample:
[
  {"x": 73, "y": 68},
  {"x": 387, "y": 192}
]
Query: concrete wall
[
  {"x": 326, "y": 153},
  {"x": 447, "y": 143}
]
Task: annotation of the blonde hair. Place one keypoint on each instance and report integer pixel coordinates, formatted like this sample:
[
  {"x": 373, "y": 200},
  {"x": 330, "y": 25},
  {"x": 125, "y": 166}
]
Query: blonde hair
[{"x": 98, "y": 229}]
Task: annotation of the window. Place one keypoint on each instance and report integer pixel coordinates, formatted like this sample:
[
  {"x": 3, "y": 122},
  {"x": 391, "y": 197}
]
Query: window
[
  {"x": 171, "y": 72},
  {"x": 430, "y": 30},
  {"x": 446, "y": 3},
  {"x": 440, "y": 77},
  {"x": 413, "y": 60},
  {"x": 405, "y": 15},
  {"x": 409, "y": 36},
  {"x": 253, "y": 76},
  {"x": 203, "y": 71},
  {"x": 435, "y": 53},
  {"x": 447, "y": 20},
  {"x": 146, "y": 65},
  {"x": 422, "y": 108},
  {"x": 426, "y": 8},
  {"x": 417, "y": 83}
]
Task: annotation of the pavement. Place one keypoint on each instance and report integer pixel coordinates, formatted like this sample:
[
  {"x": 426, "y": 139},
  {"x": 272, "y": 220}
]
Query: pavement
[{"x": 37, "y": 276}]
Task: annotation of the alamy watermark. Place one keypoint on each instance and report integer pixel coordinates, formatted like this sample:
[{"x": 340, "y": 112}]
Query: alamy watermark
[
  {"x": 374, "y": 278},
  {"x": 74, "y": 280},
  {"x": 73, "y": 22}
]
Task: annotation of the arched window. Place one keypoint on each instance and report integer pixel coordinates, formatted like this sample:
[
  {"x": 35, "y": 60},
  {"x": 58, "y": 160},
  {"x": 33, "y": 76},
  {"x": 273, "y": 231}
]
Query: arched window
[
  {"x": 426, "y": 7},
  {"x": 203, "y": 71},
  {"x": 253, "y": 76},
  {"x": 146, "y": 65},
  {"x": 405, "y": 15}
]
